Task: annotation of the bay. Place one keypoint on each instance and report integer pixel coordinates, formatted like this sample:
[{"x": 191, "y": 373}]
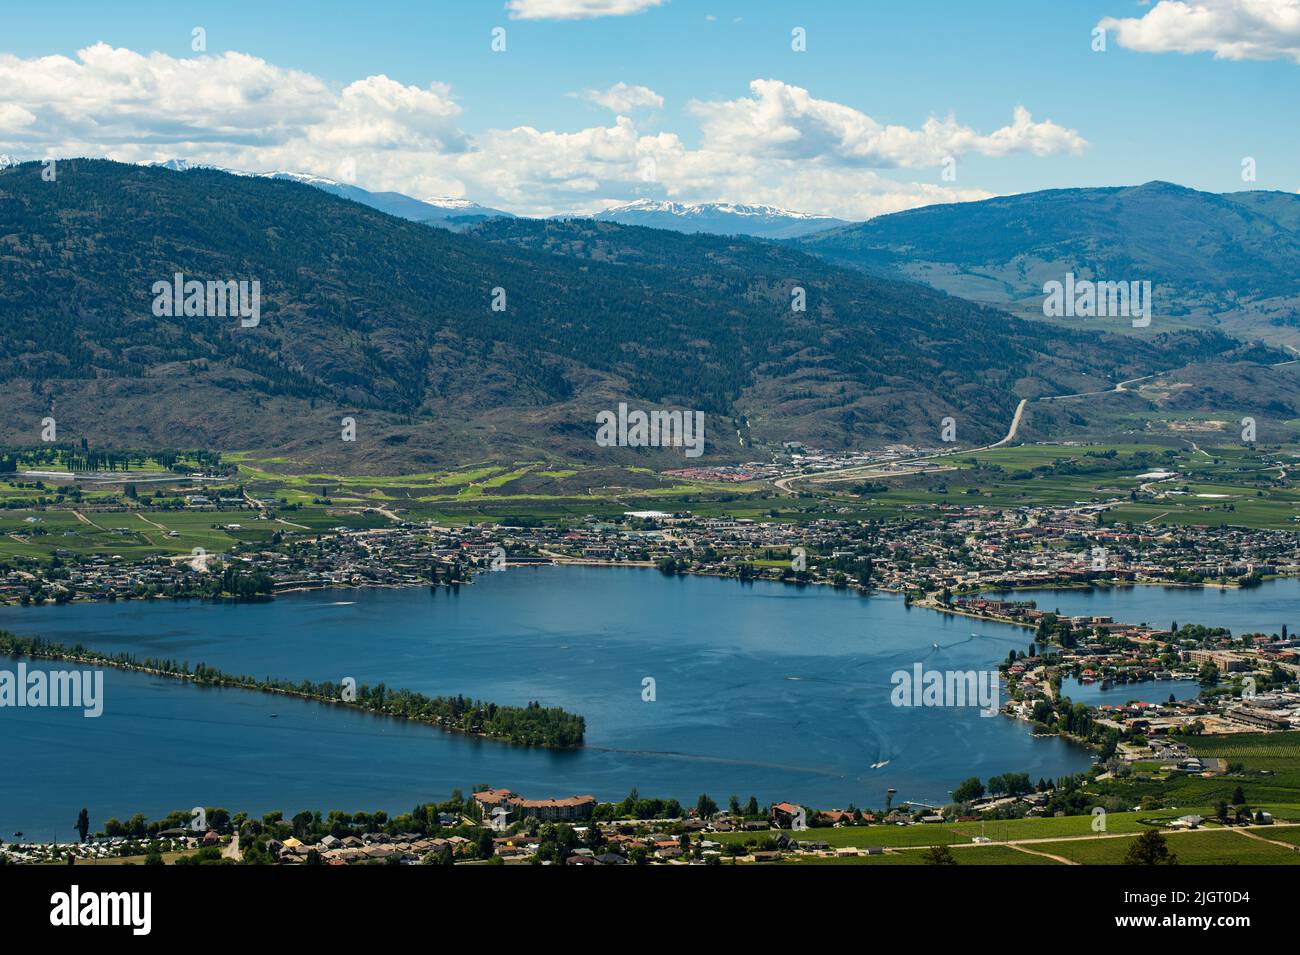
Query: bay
[{"x": 762, "y": 688}]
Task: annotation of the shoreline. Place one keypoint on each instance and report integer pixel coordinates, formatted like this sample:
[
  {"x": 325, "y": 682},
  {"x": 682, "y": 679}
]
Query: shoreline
[
  {"x": 60, "y": 653},
  {"x": 952, "y": 611}
]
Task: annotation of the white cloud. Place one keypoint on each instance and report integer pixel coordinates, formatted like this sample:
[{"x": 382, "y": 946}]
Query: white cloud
[
  {"x": 576, "y": 9},
  {"x": 1230, "y": 29},
  {"x": 622, "y": 98},
  {"x": 785, "y": 122},
  {"x": 116, "y": 96},
  {"x": 778, "y": 146},
  {"x": 13, "y": 117}
]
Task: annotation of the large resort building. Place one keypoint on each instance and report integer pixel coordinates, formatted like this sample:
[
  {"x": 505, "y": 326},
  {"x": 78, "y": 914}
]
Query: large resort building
[{"x": 568, "y": 809}]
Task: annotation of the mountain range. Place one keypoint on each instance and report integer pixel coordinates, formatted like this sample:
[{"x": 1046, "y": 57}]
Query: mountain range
[
  {"x": 443, "y": 211},
  {"x": 720, "y": 218},
  {"x": 371, "y": 316},
  {"x": 1230, "y": 261}
]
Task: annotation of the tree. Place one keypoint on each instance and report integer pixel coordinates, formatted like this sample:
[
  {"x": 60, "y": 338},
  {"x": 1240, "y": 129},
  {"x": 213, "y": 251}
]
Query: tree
[
  {"x": 1238, "y": 796},
  {"x": 486, "y": 847},
  {"x": 705, "y": 806},
  {"x": 1150, "y": 848},
  {"x": 968, "y": 789},
  {"x": 83, "y": 824},
  {"x": 938, "y": 855}
]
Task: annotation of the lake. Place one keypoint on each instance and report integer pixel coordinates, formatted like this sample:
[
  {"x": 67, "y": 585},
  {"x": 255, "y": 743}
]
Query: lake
[
  {"x": 1260, "y": 609},
  {"x": 762, "y": 688}
]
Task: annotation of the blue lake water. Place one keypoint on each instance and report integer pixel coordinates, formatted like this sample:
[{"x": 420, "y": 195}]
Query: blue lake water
[
  {"x": 762, "y": 689},
  {"x": 1260, "y": 609},
  {"x": 1150, "y": 691}
]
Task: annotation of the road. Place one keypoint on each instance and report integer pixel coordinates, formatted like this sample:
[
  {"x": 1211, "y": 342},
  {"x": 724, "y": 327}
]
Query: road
[
  {"x": 231, "y": 849},
  {"x": 891, "y": 469}
]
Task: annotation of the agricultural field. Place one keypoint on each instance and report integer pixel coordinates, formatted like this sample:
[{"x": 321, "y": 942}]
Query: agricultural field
[
  {"x": 1224, "y": 485},
  {"x": 963, "y": 833},
  {"x": 132, "y": 534},
  {"x": 1197, "y": 847},
  {"x": 487, "y": 490},
  {"x": 1265, "y": 766},
  {"x": 972, "y": 855}
]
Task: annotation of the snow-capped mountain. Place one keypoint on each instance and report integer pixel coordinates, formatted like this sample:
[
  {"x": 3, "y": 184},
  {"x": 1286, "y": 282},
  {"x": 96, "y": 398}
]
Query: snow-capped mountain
[
  {"x": 723, "y": 218},
  {"x": 444, "y": 211},
  {"x": 452, "y": 212}
]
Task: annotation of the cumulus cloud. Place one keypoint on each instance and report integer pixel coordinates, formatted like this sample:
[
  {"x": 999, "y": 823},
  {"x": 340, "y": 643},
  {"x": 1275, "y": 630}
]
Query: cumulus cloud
[
  {"x": 622, "y": 98},
  {"x": 786, "y": 122},
  {"x": 576, "y": 9},
  {"x": 778, "y": 146},
  {"x": 116, "y": 96},
  {"x": 1230, "y": 29}
]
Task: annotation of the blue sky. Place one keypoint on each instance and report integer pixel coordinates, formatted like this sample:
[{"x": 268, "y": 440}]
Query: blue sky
[{"x": 1141, "y": 110}]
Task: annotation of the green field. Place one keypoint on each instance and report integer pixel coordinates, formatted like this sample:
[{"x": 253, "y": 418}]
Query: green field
[
  {"x": 1254, "y": 491},
  {"x": 1208, "y": 847},
  {"x": 1197, "y": 847},
  {"x": 962, "y": 833},
  {"x": 976, "y": 855}
]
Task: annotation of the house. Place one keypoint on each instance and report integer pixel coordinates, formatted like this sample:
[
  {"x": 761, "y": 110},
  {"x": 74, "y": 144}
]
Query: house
[
  {"x": 784, "y": 815},
  {"x": 493, "y": 797},
  {"x": 814, "y": 845}
]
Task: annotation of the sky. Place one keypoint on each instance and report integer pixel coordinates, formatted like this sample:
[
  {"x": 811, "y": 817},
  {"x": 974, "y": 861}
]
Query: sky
[{"x": 851, "y": 108}]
